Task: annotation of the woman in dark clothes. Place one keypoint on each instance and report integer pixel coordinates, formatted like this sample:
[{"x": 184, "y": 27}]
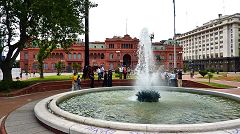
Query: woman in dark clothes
[
  {"x": 105, "y": 79},
  {"x": 109, "y": 78}
]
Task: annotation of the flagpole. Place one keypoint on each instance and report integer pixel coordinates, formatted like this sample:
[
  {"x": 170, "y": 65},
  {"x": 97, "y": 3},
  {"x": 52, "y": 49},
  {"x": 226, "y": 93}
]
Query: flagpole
[{"x": 174, "y": 42}]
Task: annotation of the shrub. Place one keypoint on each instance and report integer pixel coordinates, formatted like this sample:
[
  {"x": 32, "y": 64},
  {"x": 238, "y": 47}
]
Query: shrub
[
  {"x": 7, "y": 86},
  {"x": 148, "y": 96},
  {"x": 212, "y": 70},
  {"x": 203, "y": 72},
  {"x": 117, "y": 75}
]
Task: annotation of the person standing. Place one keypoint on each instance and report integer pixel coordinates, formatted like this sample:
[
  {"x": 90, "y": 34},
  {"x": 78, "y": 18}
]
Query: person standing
[
  {"x": 125, "y": 72},
  {"x": 105, "y": 79},
  {"x": 20, "y": 75},
  {"x": 74, "y": 81},
  {"x": 120, "y": 72},
  {"x": 102, "y": 70},
  {"x": 128, "y": 72},
  {"x": 179, "y": 78},
  {"x": 91, "y": 76},
  {"x": 99, "y": 74},
  {"x": 78, "y": 83},
  {"x": 173, "y": 79},
  {"x": 109, "y": 78}
]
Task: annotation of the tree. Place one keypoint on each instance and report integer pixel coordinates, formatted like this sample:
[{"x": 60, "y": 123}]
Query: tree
[
  {"x": 210, "y": 75},
  {"x": 203, "y": 72},
  {"x": 59, "y": 66},
  {"x": 76, "y": 67},
  {"x": 22, "y": 20},
  {"x": 45, "y": 49}
]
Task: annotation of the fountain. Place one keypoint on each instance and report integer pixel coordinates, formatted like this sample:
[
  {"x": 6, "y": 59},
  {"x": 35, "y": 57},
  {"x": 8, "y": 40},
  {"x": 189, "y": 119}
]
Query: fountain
[{"x": 116, "y": 109}]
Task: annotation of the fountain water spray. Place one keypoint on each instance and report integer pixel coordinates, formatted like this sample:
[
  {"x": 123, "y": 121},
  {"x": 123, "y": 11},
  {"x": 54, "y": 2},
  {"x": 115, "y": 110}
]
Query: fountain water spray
[{"x": 146, "y": 71}]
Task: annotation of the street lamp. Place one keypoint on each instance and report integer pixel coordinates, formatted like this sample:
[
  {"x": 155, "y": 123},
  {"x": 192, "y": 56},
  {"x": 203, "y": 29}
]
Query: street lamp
[
  {"x": 151, "y": 37},
  {"x": 118, "y": 56}
]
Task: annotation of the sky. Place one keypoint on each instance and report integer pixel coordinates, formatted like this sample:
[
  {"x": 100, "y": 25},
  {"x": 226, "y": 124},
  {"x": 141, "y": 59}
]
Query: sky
[{"x": 111, "y": 16}]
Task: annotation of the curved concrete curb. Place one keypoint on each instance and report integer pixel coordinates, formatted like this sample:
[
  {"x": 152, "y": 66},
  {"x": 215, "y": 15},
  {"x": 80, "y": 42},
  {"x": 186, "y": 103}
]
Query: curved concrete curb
[{"x": 69, "y": 123}]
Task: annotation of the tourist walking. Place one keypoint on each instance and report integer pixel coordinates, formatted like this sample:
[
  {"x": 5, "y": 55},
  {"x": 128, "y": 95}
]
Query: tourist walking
[
  {"x": 179, "y": 75},
  {"x": 78, "y": 83},
  {"x": 74, "y": 81}
]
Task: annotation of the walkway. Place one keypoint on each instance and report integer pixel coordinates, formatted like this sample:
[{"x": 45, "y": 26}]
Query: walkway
[
  {"x": 9, "y": 104},
  {"x": 230, "y": 83}
]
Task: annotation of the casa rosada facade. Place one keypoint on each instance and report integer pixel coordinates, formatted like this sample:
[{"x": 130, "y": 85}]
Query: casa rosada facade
[{"x": 112, "y": 53}]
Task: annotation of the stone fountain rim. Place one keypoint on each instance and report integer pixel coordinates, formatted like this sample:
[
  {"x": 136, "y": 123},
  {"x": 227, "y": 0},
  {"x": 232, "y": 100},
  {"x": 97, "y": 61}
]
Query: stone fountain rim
[{"x": 71, "y": 120}]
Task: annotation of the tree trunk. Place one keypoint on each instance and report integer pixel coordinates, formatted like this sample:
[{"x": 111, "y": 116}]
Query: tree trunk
[
  {"x": 7, "y": 71},
  {"x": 41, "y": 70}
]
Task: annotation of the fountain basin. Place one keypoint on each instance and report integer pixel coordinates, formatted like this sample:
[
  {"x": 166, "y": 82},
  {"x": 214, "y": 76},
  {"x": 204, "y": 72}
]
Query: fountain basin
[{"x": 68, "y": 122}]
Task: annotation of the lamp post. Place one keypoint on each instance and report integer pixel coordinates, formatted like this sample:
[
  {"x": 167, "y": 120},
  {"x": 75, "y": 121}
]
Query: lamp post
[
  {"x": 86, "y": 17},
  {"x": 118, "y": 56},
  {"x": 174, "y": 28},
  {"x": 151, "y": 37}
]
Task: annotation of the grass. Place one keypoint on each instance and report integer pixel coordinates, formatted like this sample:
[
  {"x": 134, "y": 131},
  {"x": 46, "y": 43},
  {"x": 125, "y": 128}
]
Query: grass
[
  {"x": 217, "y": 85},
  {"x": 51, "y": 78},
  {"x": 68, "y": 77},
  {"x": 223, "y": 76}
]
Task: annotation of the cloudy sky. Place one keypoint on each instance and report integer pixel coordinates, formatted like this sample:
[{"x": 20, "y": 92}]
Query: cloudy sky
[{"x": 110, "y": 17}]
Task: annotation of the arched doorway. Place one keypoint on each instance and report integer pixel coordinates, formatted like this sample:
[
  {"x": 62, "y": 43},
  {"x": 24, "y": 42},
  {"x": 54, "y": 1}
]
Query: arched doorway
[{"x": 127, "y": 60}]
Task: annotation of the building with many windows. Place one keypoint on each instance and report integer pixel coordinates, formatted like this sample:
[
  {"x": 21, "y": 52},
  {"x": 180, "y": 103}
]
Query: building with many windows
[
  {"x": 112, "y": 53},
  {"x": 214, "y": 45}
]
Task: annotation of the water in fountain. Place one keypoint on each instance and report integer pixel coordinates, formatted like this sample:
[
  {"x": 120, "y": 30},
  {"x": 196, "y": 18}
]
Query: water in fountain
[{"x": 146, "y": 71}]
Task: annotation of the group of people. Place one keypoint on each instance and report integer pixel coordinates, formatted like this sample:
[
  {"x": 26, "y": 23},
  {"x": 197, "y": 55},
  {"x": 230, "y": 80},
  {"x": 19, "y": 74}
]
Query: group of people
[
  {"x": 89, "y": 73},
  {"x": 76, "y": 82},
  {"x": 26, "y": 74},
  {"x": 172, "y": 79},
  {"x": 124, "y": 71}
]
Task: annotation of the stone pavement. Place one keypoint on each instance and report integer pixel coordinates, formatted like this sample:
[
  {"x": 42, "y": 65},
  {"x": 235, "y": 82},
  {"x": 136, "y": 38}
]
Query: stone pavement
[
  {"x": 23, "y": 121},
  {"x": 9, "y": 104}
]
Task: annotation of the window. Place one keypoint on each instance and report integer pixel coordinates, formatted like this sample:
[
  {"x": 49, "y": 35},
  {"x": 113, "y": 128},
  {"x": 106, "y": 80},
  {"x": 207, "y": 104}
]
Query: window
[
  {"x": 79, "y": 56},
  {"x": 221, "y": 54},
  {"x": 45, "y": 66},
  {"x": 111, "y": 45},
  {"x": 53, "y": 66},
  {"x": 102, "y": 56},
  {"x": 111, "y": 66},
  {"x": 69, "y": 56},
  {"x": 111, "y": 56},
  {"x": 74, "y": 56},
  {"x": 170, "y": 56},
  {"x": 25, "y": 56}
]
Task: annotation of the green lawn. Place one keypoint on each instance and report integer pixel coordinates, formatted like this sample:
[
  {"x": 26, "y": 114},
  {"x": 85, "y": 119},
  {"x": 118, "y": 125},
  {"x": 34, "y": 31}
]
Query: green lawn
[
  {"x": 51, "y": 78},
  {"x": 68, "y": 77},
  {"x": 217, "y": 85}
]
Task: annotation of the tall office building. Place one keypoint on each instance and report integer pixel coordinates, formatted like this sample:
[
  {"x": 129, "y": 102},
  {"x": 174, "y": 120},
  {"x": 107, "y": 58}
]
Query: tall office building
[{"x": 214, "y": 45}]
